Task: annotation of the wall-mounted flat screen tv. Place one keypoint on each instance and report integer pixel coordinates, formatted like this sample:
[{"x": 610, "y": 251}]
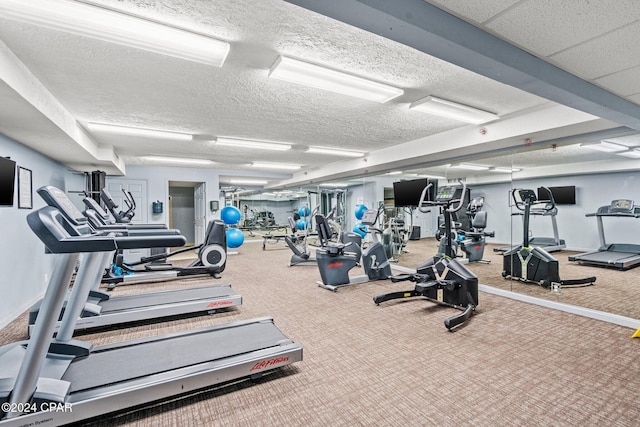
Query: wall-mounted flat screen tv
[
  {"x": 7, "y": 181},
  {"x": 407, "y": 193},
  {"x": 561, "y": 195}
]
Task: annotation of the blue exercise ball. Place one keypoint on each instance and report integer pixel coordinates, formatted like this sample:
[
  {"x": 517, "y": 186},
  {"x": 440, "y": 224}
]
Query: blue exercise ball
[
  {"x": 360, "y": 229},
  {"x": 235, "y": 238},
  {"x": 304, "y": 211},
  {"x": 360, "y": 210},
  {"x": 302, "y": 224},
  {"x": 230, "y": 215}
]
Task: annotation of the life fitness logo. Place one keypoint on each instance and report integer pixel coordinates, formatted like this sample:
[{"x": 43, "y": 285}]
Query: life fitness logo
[
  {"x": 219, "y": 303},
  {"x": 335, "y": 264},
  {"x": 269, "y": 362}
]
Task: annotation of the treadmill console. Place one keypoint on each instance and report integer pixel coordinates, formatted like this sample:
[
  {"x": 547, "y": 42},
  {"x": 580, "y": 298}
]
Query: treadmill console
[{"x": 621, "y": 205}]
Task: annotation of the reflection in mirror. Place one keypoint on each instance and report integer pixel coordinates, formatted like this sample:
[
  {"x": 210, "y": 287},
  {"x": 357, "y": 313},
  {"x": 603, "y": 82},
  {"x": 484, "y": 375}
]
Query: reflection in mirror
[
  {"x": 581, "y": 177},
  {"x": 582, "y": 181}
]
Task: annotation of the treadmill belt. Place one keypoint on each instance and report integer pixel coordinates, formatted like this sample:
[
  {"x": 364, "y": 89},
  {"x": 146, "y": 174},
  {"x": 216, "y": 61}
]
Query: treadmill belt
[
  {"x": 129, "y": 302},
  {"x": 125, "y": 363},
  {"x": 609, "y": 257}
]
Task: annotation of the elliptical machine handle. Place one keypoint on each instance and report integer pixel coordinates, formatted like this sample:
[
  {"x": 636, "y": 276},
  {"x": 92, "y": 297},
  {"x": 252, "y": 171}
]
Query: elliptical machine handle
[
  {"x": 424, "y": 199},
  {"x": 455, "y": 208}
]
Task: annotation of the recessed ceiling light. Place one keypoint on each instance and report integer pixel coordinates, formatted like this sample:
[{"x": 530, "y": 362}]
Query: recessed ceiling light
[
  {"x": 178, "y": 160},
  {"x": 132, "y": 131},
  {"x": 295, "y": 71},
  {"x": 334, "y": 151},
  {"x": 453, "y": 110},
  {"x": 252, "y": 143},
  {"x": 275, "y": 166},
  {"x": 606, "y": 146},
  {"x": 101, "y": 23}
]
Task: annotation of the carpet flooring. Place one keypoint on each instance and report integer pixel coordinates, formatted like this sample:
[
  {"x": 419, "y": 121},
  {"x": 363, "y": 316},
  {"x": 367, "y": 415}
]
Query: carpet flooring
[{"x": 395, "y": 364}]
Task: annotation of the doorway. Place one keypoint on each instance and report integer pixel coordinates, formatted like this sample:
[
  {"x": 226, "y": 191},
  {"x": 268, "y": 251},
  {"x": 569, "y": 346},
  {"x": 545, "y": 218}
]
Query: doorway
[{"x": 187, "y": 211}]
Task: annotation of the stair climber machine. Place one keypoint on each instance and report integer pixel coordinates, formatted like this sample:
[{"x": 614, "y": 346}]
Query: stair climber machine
[
  {"x": 442, "y": 279},
  {"x": 102, "y": 310},
  {"x": 335, "y": 260},
  {"x": 533, "y": 264},
  {"x": 58, "y": 381}
]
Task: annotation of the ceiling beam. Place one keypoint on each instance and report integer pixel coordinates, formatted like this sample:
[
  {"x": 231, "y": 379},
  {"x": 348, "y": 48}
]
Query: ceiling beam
[{"x": 435, "y": 32}]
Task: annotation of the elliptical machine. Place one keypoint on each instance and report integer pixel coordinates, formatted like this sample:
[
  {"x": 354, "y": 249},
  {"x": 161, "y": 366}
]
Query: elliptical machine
[
  {"x": 336, "y": 259},
  {"x": 442, "y": 279},
  {"x": 533, "y": 264}
]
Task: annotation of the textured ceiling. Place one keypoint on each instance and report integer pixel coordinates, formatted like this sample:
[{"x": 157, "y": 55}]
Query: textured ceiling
[{"x": 96, "y": 81}]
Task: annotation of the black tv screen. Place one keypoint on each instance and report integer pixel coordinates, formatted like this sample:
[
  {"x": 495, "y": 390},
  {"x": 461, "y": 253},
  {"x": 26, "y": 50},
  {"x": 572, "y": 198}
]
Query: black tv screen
[
  {"x": 7, "y": 181},
  {"x": 561, "y": 195},
  {"x": 407, "y": 193}
]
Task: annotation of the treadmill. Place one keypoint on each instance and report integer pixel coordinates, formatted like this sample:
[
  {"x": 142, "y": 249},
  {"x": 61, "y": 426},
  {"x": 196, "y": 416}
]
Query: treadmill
[
  {"x": 549, "y": 244},
  {"x": 80, "y": 382},
  {"x": 103, "y": 310},
  {"x": 622, "y": 256}
]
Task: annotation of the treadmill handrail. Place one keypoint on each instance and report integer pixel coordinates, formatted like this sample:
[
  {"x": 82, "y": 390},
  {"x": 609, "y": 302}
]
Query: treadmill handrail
[{"x": 55, "y": 231}]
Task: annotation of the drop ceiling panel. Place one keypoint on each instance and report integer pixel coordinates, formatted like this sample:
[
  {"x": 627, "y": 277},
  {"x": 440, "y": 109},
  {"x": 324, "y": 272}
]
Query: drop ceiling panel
[
  {"x": 625, "y": 82},
  {"x": 549, "y": 26},
  {"x": 612, "y": 52},
  {"x": 474, "y": 11}
]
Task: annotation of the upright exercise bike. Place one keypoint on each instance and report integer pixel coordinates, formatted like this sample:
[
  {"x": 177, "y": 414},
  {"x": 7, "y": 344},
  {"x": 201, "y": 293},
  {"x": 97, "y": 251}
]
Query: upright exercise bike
[
  {"x": 442, "y": 279},
  {"x": 533, "y": 264}
]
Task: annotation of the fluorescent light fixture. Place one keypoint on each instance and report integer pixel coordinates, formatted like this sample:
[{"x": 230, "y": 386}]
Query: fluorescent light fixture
[
  {"x": 116, "y": 27},
  {"x": 247, "y": 181},
  {"x": 334, "y": 184},
  {"x": 633, "y": 153},
  {"x": 606, "y": 146},
  {"x": 453, "y": 110},
  {"x": 504, "y": 170},
  {"x": 179, "y": 160},
  {"x": 334, "y": 151},
  {"x": 275, "y": 166},
  {"x": 431, "y": 176},
  {"x": 299, "y": 72},
  {"x": 148, "y": 133},
  {"x": 252, "y": 143},
  {"x": 470, "y": 166},
  {"x": 394, "y": 173}
]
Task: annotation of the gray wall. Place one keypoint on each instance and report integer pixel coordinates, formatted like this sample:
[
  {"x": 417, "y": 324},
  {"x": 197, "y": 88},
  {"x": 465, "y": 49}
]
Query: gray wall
[{"x": 24, "y": 265}]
